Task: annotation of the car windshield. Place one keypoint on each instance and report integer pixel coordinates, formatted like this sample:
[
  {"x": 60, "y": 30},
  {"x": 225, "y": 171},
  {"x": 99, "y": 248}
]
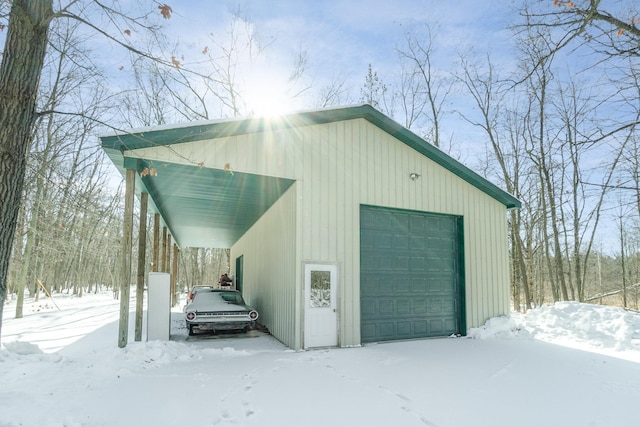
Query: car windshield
[
  {"x": 201, "y": 288},
  {"x": 232, "y": 297}
]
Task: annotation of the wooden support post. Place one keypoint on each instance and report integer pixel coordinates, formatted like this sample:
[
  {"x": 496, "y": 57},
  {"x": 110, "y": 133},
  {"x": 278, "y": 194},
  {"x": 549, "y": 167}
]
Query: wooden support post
[
  {"x": 156, "y": 242},
  {"x": 163, "y": 266},
  {"x": 142, "y": 260},
  {"x": 174, "y": 277},
  {"x": 125, "y": 280},
  {"x": 168, "y": 260}
]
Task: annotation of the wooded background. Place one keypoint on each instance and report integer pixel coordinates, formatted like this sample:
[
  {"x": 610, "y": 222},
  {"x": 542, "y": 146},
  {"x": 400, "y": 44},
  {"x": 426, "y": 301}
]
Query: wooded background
[{"x": 556, "y": 127}]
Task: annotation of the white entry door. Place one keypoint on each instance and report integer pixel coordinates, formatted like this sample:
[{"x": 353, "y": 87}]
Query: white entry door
[{"x": 321, "y": 317}]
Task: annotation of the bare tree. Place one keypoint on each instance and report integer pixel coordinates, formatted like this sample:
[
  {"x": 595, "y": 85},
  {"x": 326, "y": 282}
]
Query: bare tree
[
  {"x": 423, "y": 89},
  {"x": 612, "y": 32},
  {"x": 603, "y": 39},
  {"x": 576, "y": 111},
  {"x": 334, "y": 93},
  {"x": 488, "y": 92},
  {"x": 374, "y": 90},
  {"x": 23, "y": 60},
  {"x": 147, "y": 104},
  {"x": 52, "y": 140},
  {"x": 22, "y": 63}
]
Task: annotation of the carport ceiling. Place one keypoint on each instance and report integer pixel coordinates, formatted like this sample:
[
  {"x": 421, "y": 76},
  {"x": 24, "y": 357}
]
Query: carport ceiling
[{"x": 206, "y": 207}]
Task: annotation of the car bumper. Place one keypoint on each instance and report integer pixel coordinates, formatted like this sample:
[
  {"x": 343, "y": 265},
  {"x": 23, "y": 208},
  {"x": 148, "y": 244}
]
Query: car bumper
[{"x": 222, "y": 324}]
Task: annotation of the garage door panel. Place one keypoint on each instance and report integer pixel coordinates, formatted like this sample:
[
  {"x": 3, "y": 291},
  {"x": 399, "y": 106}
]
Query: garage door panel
[
  {"x": 433, "y": 227},
  {"x": 436, "y": 326},
  {"x": 368, "y": 263},
  {"x": 449, "y": 267},
  {"x": 417, "y": 223},
  {"x": 412, "y": 287},
  {"x": 400, "y": 308},
  {"x": 441, "y": 254},
  {"x": 441, "y": 244},
  {"x": 383, "y": 240},
  {"x": 385, "y": 308},
  {"x": 419, "y": 284},
  {"x": 367, "y": 285},
  {"x": 398, "y": 284},
  {"x": 403, "y": 307},
  {"x": 392, "y": 284},
  {"x": 403, "y": 286},
  {"x": 387, "y": 330},
  {"x": 401, "y": 262},
  {"x": 401, "y": 220},
  {"x": 440, "y": 285},
  {"x": 451, "y": 327},
  {"x": 418, "y": 263},
  {"x": 368, "y": 332},
  {"x": 418, "y": 243},
  {"x": 404, "y": 328},
  {"x": 441, "y": 306},
  {"x": 420, "y": 307},
  {"x": 386, "y": 263},
  {"x": 367, "y": 242},
  {"x": 436, "y": 306},
  {"x": 401, "y": 242},
  {"x": 368, "y": 308},
  {"x": 420, "y": 327},
  {"x": 368, "y": 219}
]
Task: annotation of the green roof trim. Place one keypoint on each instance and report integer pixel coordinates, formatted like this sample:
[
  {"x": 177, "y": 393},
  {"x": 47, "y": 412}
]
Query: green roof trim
[{"x": 116, "y": 144}]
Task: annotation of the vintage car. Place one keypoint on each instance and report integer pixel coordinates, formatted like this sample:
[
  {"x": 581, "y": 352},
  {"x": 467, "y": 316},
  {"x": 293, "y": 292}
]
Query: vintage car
[{"x": 219, "y": 310}]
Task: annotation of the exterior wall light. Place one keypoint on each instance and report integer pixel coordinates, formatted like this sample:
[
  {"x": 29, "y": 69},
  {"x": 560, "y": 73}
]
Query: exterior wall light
[{"x": 414, "y": 176}]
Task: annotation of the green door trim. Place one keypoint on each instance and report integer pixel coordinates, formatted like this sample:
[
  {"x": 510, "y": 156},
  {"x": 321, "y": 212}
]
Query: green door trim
[
  {"x": 462, "y": 300},
  {"x": 239, "y": 272}
]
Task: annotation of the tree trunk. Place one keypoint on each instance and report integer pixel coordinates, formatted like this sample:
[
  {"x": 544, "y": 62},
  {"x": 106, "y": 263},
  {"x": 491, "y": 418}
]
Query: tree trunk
[
  {"x": 18, "y": 248},
  {"x": 622, "y": 260},
  {"x": 27, "y": 264},
  {"x": 142, "y": 261},
  {"x": 22, "y": 63}
]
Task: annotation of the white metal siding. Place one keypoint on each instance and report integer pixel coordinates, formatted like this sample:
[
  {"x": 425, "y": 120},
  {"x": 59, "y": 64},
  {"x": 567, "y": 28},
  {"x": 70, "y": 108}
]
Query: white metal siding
[
  {"x": 269, "y": 269},
  {"x": 339, "y": 166}
]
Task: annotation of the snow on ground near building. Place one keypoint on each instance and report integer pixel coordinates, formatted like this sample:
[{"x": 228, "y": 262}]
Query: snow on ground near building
[{"x": 568, "y": 364}]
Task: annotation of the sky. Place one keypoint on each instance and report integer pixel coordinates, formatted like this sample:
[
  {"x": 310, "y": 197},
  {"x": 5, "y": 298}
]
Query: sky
[
  {"x": 341, "y": 38},
  {"x": 563, "y": 365}
]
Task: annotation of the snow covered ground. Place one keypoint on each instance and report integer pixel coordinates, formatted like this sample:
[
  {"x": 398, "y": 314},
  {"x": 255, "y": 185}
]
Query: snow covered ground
[{"x": 568, "y": 364}]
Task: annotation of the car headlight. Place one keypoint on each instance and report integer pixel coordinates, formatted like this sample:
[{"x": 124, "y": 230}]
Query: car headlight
[
  {"x": 191, "y": 315},
  {"x": 253, "y": 315}
]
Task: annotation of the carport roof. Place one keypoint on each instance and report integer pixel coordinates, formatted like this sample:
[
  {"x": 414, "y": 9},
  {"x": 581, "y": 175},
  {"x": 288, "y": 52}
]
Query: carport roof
[{"x": 205, "y": 207}]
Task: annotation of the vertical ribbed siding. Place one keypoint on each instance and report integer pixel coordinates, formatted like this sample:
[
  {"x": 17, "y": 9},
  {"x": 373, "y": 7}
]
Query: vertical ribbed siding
[
  {"x": 383, "y": 167},
  {"x": 339, "y": 166},
  {"x": 269, "y": 254},
  {"x": 374, "y": 170}
]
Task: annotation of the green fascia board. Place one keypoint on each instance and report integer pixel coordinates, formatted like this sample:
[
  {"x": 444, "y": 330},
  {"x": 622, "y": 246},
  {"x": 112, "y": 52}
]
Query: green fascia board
[{"x": 159, "y": 136}]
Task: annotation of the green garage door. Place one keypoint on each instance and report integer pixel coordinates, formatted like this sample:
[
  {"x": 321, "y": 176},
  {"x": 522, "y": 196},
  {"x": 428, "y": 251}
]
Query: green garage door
[{"x": 411, "y": 274}]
